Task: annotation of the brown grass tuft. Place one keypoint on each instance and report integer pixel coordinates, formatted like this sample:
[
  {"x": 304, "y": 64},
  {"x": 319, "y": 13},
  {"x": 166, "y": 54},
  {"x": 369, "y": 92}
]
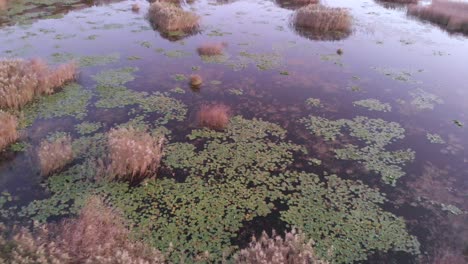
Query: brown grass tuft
[
  {"x": 211, "y": 49},
  {"x": 97, "y": 235},
  {"x": 214, "y": 116},
  {"x": 3, "y": 5},
  {"x": 21, "y": 80},
  {"x": 168, "y": 17},
  {"x": 452, "y": 16},
  {"x": 276, "y": 250},
  {"x": 134, "y": 154},
  {"x": 195, "y": 80},
  {"x": 293, "y": 4},
  {"x": 8, "y": 129},
  {"x": 323, "y": 22},
  {"x": 400, "y": 1},
  {"x": 55, "y": 154},
  {"x": 136, "y": 7}
]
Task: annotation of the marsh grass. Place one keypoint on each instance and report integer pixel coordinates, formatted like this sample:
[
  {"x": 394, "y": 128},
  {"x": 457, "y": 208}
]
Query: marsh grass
[
  {"x": 293, "y": 4},
  {"x": 55, "y": 154},
  {"x": 211, "y": 49},
  {"x": 136, "y": 7},
  {"x": 323, "y": 23},
  {"x": 214, "y": 116},
  {"x": 8, "y": 129},
  {"x": 168, "y": 18},
  {"x": 450, "y": 15},
  {"x": 399, "y": 1},
  {"x": 98, "y": 235},
  {"x": 23, "y": 80},
  {"x": 275, "y": 250},
  {"x": 134, "y": 154},
  {"x": 195, "y": 80}
]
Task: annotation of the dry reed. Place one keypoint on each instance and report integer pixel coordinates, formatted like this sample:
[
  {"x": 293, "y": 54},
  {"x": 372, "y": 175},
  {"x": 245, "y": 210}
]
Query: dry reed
[
  {"x": 21, "y": 80},
  {"x": 323, "y": 22},
  {"x": 55, "y": 154},
  {"x": 292, "y": 249},
  {"x": 450, "y": 15},
  {"x": 195, "y": 80},
  {"x": 211, "y": 49},
  {"x": 214, "y": 116},
  {"x": 400, "y": 1},
  {"x": 97, "y": 235},
  {"x": 8, "y": 129},
  {"x": 134, "y": 154},
  {"x": 168, "y": 17},
  {"x": 135, "y": 7}
]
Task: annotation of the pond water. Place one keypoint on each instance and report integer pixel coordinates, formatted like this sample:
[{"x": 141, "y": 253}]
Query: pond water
[{"x": 390, "y": 112}]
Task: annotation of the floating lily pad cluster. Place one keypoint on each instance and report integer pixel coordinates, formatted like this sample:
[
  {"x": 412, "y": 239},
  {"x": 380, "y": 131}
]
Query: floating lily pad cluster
[
  {"x": 375, "y": 134},
  {"x": 424, "y": 100},
  {"x": 374, "y": 105},
  {"x": 435, "y": 138}
]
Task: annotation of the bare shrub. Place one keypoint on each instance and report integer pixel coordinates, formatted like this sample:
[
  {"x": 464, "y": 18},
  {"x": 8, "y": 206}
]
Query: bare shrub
[
  {"x": 21, "y": 80},
  {"x": 97, "y": 235},
  {"x": 134, "y": 154},
  {"x": 214, "y": 116},
  {"x": 195, "y": 80},
  {"x": 168, "y": 17},
  {"x": 54, "y": 154},
  {"x": 452, "y": 16},
  {"x": 293, "y": 249},
  {"x": 211, "y": 49},
  {"x": 8, "y": 129},
  {"x": 321, "y": 22}
]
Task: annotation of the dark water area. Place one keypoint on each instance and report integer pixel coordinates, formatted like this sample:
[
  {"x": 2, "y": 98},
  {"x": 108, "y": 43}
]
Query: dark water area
[{"x": 268, "y": 72}]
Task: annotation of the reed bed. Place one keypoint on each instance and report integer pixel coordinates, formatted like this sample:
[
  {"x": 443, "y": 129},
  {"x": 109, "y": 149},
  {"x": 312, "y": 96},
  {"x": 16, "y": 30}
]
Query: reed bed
[
  {"x": 214, "y": 116},
  {"x": 452, "y": 16},
  {"x": 8, "y": 129},
  {"x": 55, "y": 154}
]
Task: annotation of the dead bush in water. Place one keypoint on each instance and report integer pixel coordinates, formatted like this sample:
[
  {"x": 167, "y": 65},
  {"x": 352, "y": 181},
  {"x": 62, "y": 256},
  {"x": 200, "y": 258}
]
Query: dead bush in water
[
  {"x": 321, "y": 22},
  {"x": 195, "y": 80},
  {"x": 21, "y": 80},
  {"x": 276, "y": 250},
  {"x": 8, "y": 129},
  {"x": 133, "y": 154},
  {"x": 211, "y": 49},
  {"x": 168, "y": 17},
  {"x": 452, "y": 16},
  {"x": 214, "y": 116},
  {"x": 54, "y": 154},
  {"x": 97, "y": 235}
]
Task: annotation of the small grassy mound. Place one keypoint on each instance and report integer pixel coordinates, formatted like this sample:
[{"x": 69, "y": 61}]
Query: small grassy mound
[{"x": 167, "y": 18}]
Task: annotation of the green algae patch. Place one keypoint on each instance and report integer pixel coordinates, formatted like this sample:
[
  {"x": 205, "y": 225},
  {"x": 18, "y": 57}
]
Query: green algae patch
[
  {"x": 345, "y": 219},
  {"x": 373, "y": 105},
  {"x": 424, "y": 100},
  {"x": 88, "y": 127},
  {"x": 86, "y": 61},
  {"x": 72, "y": 101},
  {"x": 375, "y": 134}
]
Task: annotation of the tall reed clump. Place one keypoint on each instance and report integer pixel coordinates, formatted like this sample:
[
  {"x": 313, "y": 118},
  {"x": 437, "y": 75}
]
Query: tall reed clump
[
  {"x": 98, "y": 235},
  {"x": 133, "y": 154},
  {"x": 450, "y": 15},
  {"x": 8, "y": 129},
  {"x": 22, "y": 80},
  {"x": 276, "y": 250},
  {"x": 54, "y": 154},
  {"x": 211, "y": 49},
  {"x": 214, "y": 116},
  {"x": 168, "y": 17},
  {"x": 321, "y": 22}
]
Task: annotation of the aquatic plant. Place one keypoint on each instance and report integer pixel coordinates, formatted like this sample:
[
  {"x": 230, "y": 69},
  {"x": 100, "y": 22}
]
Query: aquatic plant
[
  {"x": 294, "y": 248},
  {"x": 295, "y": 3},
  {"x": 374, "y": 105},
  {"x": 195, "y": 80},
  {"x": 98, "y": 235},
  {"x": 424, "y": 100},
  {"x": 450, "y": 15},
  {"x": 400, "y": 1},
  {"x": 133, "y": 154},
  {"x": 345, "y": 219},
  {"x": 314, "y": 102},
  {"x": 8, "y": 129},
  {"x": 435, "y": 138},
  {"x": 21, "y": 81},
  {"x": 168, "y": 18},
  {"x": 213, "y": 116},
  {"x": 321, "y": 22},
  {"x": 211, "y": 49},
  {"x": 54, "y": 154},
  {"x": 87, "y": 127},
  {"x": 328, "y": 129}
]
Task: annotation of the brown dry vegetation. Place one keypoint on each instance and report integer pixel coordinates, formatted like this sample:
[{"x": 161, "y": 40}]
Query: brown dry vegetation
[
  {"x": 214, "y": 116},
  {"x": 168, "y": 17},
  {"x": 452, "y": 16},
  {"x": 195, "y": 80},
  {"x": 8, "y": 129},
  {"x": 292, "y": 249},
  {"x": 400, "y": 1},
  {"x": 295, "y": 3},
  {"x": 3, "y": 4},
  {"x": 54, "y": 154},
  {"x": 22, "y": 80},
  {"x": 134, "y": 154},
  {"x": 135, "y": 7},
  {"x": 323, "y": 22},
  {"x": 97, "y": 235},
  {"x": 211, "y": 49}
]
